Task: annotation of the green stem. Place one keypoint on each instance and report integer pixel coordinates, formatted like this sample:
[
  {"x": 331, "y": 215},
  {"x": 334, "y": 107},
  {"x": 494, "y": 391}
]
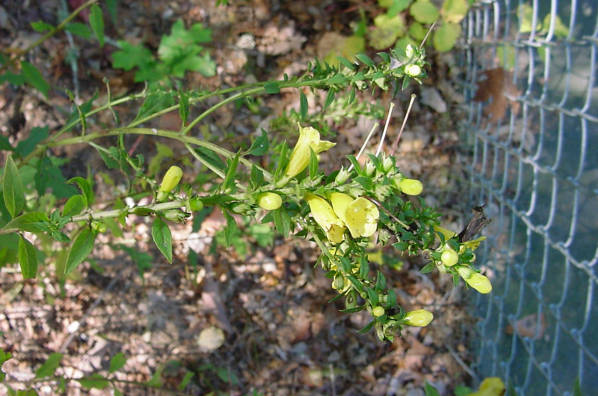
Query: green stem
[
  {"x": 157, "y": 132},
  {"x": 106, "y": 214}
]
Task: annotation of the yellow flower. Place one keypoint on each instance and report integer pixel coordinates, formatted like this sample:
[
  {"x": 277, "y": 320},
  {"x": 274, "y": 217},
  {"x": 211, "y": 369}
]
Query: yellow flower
[
  {"x": 309, "y": 140},
  {"x": 491, "y": 386},
  {"x": 448, "y": 234},
  {"x": 359, "y": 215},
  {"x": 324, "y": 215},
  {"x": 476, "y": 280},
  {"x": 419, "y": 318},
  {"x": 411, "y": 186}
]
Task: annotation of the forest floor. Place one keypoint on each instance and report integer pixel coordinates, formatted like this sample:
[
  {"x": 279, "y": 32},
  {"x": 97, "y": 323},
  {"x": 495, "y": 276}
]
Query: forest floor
[{"x": 281, "y": 336}]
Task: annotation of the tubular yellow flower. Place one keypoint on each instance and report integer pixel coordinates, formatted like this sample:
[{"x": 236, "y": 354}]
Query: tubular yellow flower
[
  {"x": 269, "y": 201},
  {"x": 324, "y": 215},
  {"x": 476, "y": 280},
  {"x": 340, "y": 202},
  {"x": 419, "y": 318},
  {"x": 361, "y": 217},
  {"x": 309, "y": 138},
  {"x": 171, "y": 179}
]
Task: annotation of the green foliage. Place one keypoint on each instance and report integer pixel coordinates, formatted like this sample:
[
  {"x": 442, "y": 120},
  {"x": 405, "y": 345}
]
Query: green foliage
[
  {"x": 179, "y": 52},
  {"x": 49, "y": 367}
]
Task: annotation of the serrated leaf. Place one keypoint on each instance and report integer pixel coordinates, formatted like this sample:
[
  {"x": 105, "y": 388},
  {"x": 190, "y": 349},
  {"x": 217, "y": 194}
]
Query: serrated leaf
[
  {"x": 453, "y": 11},
  {"x": 37, "y": 134},
  {"x": 34, "y": 78},
  {"x": 130, "y": 56},
  {"x": 94, "y": 381},
  {"x": 49, "y": 367},
  {"x": 260, "y": 145},
  {"x": 424, "y": 11},
  {"x": 74, "y": 205},
  {"x": 117, "y": 362},
  {"x": 80, "y": 249},
  {"x": 155, "y": 101},
  {"x": 85, "y": 187},
  {"x": 12, "y": 187},
  {"x": 41, "y": 26},
  {"x": 27, "y": 257},
  {"x": 302, "y": 105},
  {"x": 78, "y": 29},
  {"x": 446, "y": 36},
  {"x": 162, "y": 238},
  {"x": 96, "y": 21}
]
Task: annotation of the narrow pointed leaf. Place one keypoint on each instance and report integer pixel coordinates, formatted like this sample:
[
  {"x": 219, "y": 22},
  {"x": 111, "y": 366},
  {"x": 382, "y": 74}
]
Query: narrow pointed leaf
[
  {"x": 80, "y": 249},
  {"x": 27, "y": 258},
  {"x": 162, "y": 238},
  {"x": 14, "y": 196},
  {"x": 96, "y": 21}
]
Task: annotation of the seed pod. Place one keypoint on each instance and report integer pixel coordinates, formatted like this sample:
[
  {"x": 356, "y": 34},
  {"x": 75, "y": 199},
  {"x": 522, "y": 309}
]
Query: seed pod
[
  {"x": 418, "y": 318},
  {"x": 269, "y": 201}
]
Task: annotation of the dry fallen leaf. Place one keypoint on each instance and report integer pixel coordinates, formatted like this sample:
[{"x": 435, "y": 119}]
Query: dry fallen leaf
[
  {"x": 497, "y": 85},
  {"x": 529, "y": 326},
  {"x": 210, "y": 338}
]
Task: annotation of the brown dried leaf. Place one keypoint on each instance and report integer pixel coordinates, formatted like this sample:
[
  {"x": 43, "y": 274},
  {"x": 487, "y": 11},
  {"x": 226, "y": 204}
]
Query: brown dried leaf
[
  {"x": 529, "y": 326},
  {"x": 497, "y": 86}
]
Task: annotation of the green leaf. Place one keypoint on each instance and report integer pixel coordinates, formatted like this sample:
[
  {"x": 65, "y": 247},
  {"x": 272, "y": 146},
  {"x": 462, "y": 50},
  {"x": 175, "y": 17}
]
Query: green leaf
[
  {"x": 424, "y": 11},
  {"x": 263, "y": 234},
  {"x": 446, "y": 36},
  {"x": 185, "y": 381},
  {"x": 211, "y": 157},
  {"x": 96, "y": 21},
  {"x": 14, "y": 79},
  {"x": 366, "y": 60},
  {"x": 230, "y": 231},
  {"x": 49, "y": 175},
  {"x": 111, "y": 5},
  {"x": 183, "y": 106},
  {"x": 155, "y": 101},
  {"x": 271, "y": 87},
  {"x": 34, "y": 78},
  {"x": 30, "y": 222},
  {"x": 313, "y": 164},
  {"x": 162, "y": 238},
  {"x": 260, "y": 145},
  {"x": 397, "y": 6},
  {"x": 453, "y": 11},
  {"x": 428, "y": 268},
  {"x": 329, "y": 99},
  {"x": 430, "y": 390},
  {"x": 461, "y": 390},
  {"x": 256, "y": 177},
  {"x": 143, "y": 260},
  {"x": 78, "y": 29},
  {"x": 25, "y": 147},
  {"x": 577, "y": 388},
  {"x": 27, "y": 257},
  {"x": 117, "y": 362},
  {"x": 49, "y": 367},
  {"x": 12, "y": 186},
  {"x": 85, "y": 187},
  {"x": 302, "y": 105},
  {"x": 386, "y": 31},
  {"x": 231, "y": 172},
  {"x": 41, "y": 26},
  {"x": 74, "y": 205},
  {"x": 94, "y": 381},
  {"x": 364, "y": 268},
  {"x": 80, "y": 249},
  {"x": 282, "y": 221},
  {"x": 130, "y": 56},
  {"x": 4, "y": 356}
]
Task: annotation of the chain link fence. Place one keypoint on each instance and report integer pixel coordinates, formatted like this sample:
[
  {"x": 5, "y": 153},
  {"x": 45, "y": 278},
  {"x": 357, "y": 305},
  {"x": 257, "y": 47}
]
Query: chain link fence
[{"x": 532, "y": 131}]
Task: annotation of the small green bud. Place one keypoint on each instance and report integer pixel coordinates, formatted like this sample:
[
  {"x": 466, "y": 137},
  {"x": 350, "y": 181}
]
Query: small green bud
[
  {"x": 269, "y": 201},
  {"x": 411, "y": 186},
  {"x": 241, "y": 208},
  {"x": 418, "y": 318},
  {"x": 370, "y": 168},
  {"x": 98, "y": 226},
  {"x": 387, "y": 164},
  {"x": 378, "y": 311},
  {"x": 342, "y": 176},
  {"x": 195, "y": 204},
  {"x": 449, "y": 257},
  {"x": 176, "y": 215}
]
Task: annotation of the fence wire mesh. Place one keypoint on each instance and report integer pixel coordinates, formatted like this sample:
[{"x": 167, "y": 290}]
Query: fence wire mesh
[{"x": 532, "y": 128}]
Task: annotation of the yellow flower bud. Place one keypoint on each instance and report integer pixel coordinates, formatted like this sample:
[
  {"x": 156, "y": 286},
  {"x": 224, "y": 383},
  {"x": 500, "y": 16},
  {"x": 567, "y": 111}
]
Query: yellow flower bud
[
  {"x": 171, "y": 179},
  {"x": 491, "y": 386},
  {"x": 309, "y": 140},
  {"x": 419, "y": 318},
  {"x": 269, "y": 201},
  {"x": 378, "y": 311},
  {"x": 411, "y": 186},
  {"x": 326, "y": 218},
  {"x": 449, "y": 257},
  {"x": 476, "y": 280}
]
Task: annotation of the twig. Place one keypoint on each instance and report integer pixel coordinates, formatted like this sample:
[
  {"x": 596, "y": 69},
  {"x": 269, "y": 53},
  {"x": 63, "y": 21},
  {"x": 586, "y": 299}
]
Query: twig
[
  {"x": 395, "y": 144},
  {"x": 392, "y": 106},
  {"x": 365, "y": 143}
]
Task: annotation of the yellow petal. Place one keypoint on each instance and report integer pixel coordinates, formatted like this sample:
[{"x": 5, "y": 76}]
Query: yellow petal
[
  {"x": 340, "y": 202},
  {"x": 309, "y": 139},
  {"x": 448, "y": 234},
  {"x": 361, "y": 217},
  {"x": 323, "y": 214}
]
